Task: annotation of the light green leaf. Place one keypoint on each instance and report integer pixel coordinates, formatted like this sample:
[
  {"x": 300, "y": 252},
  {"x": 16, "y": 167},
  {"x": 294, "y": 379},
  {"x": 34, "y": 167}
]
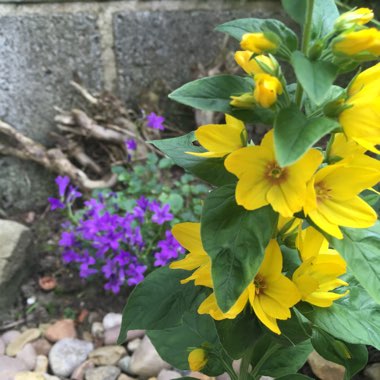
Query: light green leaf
[
  {"x": 316, "y": 77},
  {"x": 159, "y": 301},
  {"x": 237, "y": 28},
  {"x": 209, "y": 169},
  {"x": 361, "y": 250},
  {"x": 235, "y": 239},
  {"x": 354, "y": 319},
  {"x": 294, "y": 134}
]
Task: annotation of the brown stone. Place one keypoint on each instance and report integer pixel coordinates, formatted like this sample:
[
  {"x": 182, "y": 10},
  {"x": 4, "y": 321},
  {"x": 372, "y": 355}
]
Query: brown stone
[
  {"x": 42, "y": 346},
  {"x": 324, "y": 369},
  {"x": 62, "y": 329}
]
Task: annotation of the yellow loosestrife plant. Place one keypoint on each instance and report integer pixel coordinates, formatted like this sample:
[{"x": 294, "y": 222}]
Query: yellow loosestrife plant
[{"x": 286, "y": 257}]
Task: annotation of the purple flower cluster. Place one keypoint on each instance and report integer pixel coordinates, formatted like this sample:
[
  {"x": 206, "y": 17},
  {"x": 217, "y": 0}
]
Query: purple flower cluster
[
  {"x": 119, "y": 246},
  {"x": 155, "y": 121}
]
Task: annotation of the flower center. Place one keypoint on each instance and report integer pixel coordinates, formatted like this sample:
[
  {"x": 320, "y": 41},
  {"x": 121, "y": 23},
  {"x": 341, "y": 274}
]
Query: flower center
[
  {"x": 322, "y": 192},
  {"x": 259, "y": 283},
  {"x": 275, "y": 173}
]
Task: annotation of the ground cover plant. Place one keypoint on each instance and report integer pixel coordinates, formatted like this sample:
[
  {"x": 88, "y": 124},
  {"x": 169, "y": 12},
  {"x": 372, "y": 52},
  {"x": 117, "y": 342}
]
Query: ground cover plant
[{"x": 286, "y": 255}]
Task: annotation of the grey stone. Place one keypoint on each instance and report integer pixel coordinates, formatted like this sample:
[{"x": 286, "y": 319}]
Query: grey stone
[
  {"x": 372, "y": 372},
  {"x": 167, "y": 56},
  {"x": 123, "y": 364},
  {"x": 2, "y": 347},
  {"x": 10, "y": 335},
  {"x": 39, "y": 55},
  {"x": 16, "y": 259},
  {"x": 102, "y": 373},
  {"x": 145, "y": 361},
  {"x": 111, "y": 320},
  {"x": 10, "y": 366},
  {"x": 166, "y": 374},
  {"x": 28, "y": 356},
  {"x": 111, "y": 335},
  {"x": 68, "y": 354},
  {"x": 108, "y": 355}
]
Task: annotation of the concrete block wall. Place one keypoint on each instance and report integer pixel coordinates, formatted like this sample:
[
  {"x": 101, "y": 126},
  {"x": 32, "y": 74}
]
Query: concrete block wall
[{"x": 122, "y": 46}]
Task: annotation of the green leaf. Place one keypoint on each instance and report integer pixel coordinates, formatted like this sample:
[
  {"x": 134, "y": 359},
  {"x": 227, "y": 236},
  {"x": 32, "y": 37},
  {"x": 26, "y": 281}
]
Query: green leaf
[
  {"x": 294, "y": 134},
  {"x": 352, "y": 356},
  {"x": 316, "y": 77},
  {"x": 286, "y": 360},
  {"x": 354, "y": 319},
  {"x": 325, "y": 13},
  {"x": 237, "y": 335},
  {"x": 174, "y": 344},
  {"x": 159, "y": 301},
  {"x": 237, "y": 28},
  {"x": 361, "y": 250},
  {"x": 235, "y": 239},
  {"x": 209, "y": 169}
]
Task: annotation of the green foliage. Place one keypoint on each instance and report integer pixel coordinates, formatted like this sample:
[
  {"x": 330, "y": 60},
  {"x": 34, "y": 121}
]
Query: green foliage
[
  {"x": 295, "y": 134},
  {"x": 235, "y": 239}
]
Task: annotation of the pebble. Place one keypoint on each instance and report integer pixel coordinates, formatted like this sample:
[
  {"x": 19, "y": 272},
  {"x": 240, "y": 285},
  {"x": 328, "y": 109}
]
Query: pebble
[
  {"x": 28, "y": 356},
  {"x": 87, "y": 336},
  {"x": 62, "y": 329},
  {"x": 42, "y": 364},
  {"x": 166, "y": 374},
  {"x": 10, "y": 366},
  {"x": 102, "y": 373},
  {"x": 108, "y": 355},
  {"x": 79, "y": 372},
  {"x": 97, "y": 330},
  {"x": 18, "y": 343},
  {"x": 2, "y": 347},
  {"x": 133, "y": 344},
  {"x": 372, "y": 371},
  {"x": 325, "y": 369},
  {"x": 42, "y": 346},
  {"x": 134, "y": 334},
  {"x": 123, "y": 376},
  {"x": 200, "y": 376},
  {"x": 68, "y": 354},
  {"x": 145, "y": 361},
  {"x": 111, "y": 335},
  {"x": 9, "y": 336},
  {"x": 29, "y": 376},
  {"x": 50, "y": 377},
  {"x": 112, "y": 320},
  {"x": 123, "y": 364}
]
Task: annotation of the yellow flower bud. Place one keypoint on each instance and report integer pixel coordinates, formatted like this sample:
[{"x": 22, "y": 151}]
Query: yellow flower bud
[
  {"x": 197, "y": 359},
  {"x": 365, "y": 41},
  {"x": 246, "y": 100},
  {"x": 266, "y": 90},
  {"x": 257, "y": 43},
  {"x": 359, "y": 16},
  {"x": 255, "y": 65}
]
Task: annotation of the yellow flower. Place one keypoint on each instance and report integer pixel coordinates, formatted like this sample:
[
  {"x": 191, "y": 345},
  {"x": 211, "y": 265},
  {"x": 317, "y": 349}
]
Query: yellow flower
[
  {"x": 365, "y": 41},
  {"x": 189, "y": 236},
  {"x": 246, "y": 100},
  {"x": 262, "y": 181},
  {"x": 257, "y": 43},
  {"x": 343, "y": 147},
  {"x": 332, "y": 195},
  {"x": 360, "y": 16},
  {"x": 318, "y": 274},
  {"x": 197, "y": 359},
  {"x": 252, "y": 65},
  {"x": 361, "y": 120},
  {"x": 287, "y": 226},
  {"x": 271, "y": 294},
  {"x": 221, "y": 139},
  {"x": 267, "y": 87}
]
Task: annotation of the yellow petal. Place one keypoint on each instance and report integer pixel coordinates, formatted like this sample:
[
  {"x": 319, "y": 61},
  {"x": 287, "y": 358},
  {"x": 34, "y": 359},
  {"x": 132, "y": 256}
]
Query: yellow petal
[
  {"x": 189, "y": 236},
  {"x": 267, "y": 320}
]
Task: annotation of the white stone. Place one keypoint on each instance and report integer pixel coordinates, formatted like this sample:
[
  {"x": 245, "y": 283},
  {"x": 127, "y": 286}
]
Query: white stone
[{"x": 112, "y": 320}]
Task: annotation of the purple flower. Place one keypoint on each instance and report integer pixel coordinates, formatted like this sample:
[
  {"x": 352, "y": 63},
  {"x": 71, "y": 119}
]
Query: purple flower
[
  {"x": 55, "y": 203},
  {"x": 155, "y": 121},
  {"x": 169, "y": 250},
  {"x": 143, "y": 203},
  {"x": 135, "y": 273},
  {"x": 84, "y": 269},
  {"x": 67, "y": 239},
  {"x": 73, "y": 194},
  {"x": 62, "y": 183},
  {"x": 130, "y": 144},
  {"x": 160, "y": 214}
]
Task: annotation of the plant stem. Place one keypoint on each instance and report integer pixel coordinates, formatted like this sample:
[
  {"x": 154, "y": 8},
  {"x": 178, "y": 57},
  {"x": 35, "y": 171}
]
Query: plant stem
[
  {"x": 244, "y": 366},
  {"x": 255, "y": 372},
  {"x": 305, "y": 44}
]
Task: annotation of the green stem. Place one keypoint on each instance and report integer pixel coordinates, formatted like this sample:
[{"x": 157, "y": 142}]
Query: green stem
[
  {"x": 229, "y": 369},
  {"x": 244, "y": 366},
  {"x": 255, "y": 372},
  {"x": 305, "y": 44},
  {"x": 329, "y": 146}
]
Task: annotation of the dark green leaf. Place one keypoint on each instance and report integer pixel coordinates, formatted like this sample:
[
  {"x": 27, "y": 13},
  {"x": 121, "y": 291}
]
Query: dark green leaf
[
  {"x": 159, "y": 301},
  {"x": 294, "y": 134},
  {"x": 316, "y": 77},
  {"x": 352, "y": 356},
  {"x": 174, "y": 344},
  {"x": 236, "y": 29},
  {"x": 286, "y": 360},
  {"x": 235, "y": 239},
  {"x": 354, "y": 319},
  {"x": 361, "y": 249},
  {"x": 324, "y": 15},
  {"x": 237, "y": 335},
  {"x": 209, "y": 169}
]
